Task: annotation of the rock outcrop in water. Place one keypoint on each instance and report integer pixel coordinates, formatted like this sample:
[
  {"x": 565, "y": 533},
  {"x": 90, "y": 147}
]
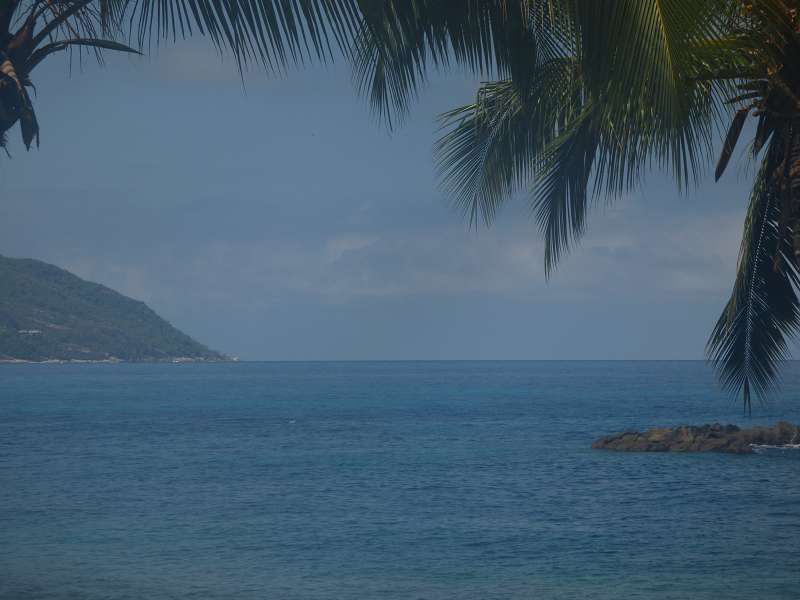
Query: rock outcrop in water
[{"x": 707, "y": 438}]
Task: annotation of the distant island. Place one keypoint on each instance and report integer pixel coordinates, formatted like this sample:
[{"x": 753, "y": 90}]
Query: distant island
[{"x": 48, "y": 314}]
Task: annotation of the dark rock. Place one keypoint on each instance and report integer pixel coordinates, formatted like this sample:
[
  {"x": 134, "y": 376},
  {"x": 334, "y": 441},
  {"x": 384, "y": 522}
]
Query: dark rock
[{"x": 706, "y": 438}]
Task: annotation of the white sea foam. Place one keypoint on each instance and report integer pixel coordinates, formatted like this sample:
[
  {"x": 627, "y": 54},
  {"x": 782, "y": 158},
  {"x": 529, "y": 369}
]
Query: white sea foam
[{"x": 760, "y": 448}]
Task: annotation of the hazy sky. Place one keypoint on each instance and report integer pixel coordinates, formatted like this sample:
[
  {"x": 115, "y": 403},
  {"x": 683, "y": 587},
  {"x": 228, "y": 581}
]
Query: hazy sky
[{"x": 279, "y": 221}]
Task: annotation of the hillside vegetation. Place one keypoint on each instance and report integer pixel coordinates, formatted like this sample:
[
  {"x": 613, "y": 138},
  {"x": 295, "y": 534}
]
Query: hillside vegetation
[{"x": 47, "y": 313}]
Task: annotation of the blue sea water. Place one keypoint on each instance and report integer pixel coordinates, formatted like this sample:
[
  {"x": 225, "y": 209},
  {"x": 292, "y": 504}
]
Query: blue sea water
[{"x": 387, "y": 480}]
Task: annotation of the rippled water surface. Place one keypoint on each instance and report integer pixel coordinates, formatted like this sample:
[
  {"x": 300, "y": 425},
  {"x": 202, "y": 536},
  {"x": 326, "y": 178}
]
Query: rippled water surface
[{"x": 384, "y": 480}]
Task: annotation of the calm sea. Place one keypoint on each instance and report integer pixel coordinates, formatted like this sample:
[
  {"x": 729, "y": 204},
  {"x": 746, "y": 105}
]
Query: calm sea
[{"x": 398, "y": 480}]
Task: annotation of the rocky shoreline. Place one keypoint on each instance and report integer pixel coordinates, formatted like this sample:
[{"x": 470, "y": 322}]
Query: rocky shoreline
[{"x": 705, "y": 438}]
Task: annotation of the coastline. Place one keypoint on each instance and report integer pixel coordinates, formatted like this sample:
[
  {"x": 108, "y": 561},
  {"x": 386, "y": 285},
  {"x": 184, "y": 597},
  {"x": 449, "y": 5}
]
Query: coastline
[{"x": 114, "y": 361}]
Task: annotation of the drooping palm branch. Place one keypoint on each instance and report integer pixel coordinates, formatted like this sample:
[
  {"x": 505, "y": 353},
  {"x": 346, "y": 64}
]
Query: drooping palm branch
[{"x": 751, "y": 336}]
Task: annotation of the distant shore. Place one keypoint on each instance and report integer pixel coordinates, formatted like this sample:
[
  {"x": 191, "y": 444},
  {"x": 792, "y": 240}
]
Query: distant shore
[{"x": 113, "y": 360}]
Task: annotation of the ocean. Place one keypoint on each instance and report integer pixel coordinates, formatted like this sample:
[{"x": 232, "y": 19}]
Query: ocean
[{"x": 386, "y": 480}]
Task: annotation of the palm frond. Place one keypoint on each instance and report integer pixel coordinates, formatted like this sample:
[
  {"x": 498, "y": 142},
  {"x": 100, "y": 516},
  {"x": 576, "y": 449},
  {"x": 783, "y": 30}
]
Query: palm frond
[
  {"x": 401, "y": 40},
  {"x": 567, "y": 140},
  {"x": 272, "y": 32},
  {"x": 490, "y": 148},
  {"x": 562, "y": 190},
  {"x": 751, "y": 336},
  {"x": 731, "y": 138},
  {"x": 41, "y": 53},
  {"x": 29, "y": 124},
  {"x": 60, "y": 17},
  {"x": 629, "y": 100}
]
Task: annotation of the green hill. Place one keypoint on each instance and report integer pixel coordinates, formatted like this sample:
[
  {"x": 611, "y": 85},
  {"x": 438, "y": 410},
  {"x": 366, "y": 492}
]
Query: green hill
[{"x": 47, "y": 313}]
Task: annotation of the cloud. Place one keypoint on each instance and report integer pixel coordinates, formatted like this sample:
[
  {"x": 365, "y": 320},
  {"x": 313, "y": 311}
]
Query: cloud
[
  {"x": 624, "y": 254},
  {"x": 639, "y": 250},
  {"x": 338, "y": 247}
]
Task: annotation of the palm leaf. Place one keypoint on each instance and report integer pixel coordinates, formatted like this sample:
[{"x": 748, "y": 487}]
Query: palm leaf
[
  {"x": 490, "y": 149},
  {"x": 751, "y": 336},
  {"x": 273, "y": 32},
  {"x": 41, "y": 53},
  {"x": 626, "y": 104},
  {"x": 764, "y": 130},
  {"x": 60, "y": 18},
  {"x": 401, "y": 40},
  {"x": 563, "y": 185},
  {"x": 730, "y": 141}
]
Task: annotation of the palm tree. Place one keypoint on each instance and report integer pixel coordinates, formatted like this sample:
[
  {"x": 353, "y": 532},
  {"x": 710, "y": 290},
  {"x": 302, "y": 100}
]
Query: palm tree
[
  {"x": 586, "y": 97},
  {"x": 23, "y": 46}
]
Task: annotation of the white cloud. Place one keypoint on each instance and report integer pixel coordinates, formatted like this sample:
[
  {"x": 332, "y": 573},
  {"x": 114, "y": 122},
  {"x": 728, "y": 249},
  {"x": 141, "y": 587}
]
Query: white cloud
[
  {"x": 337, "y": 247},
  {"x": 631, "y": 259},
  {"x": 626, "y": 253}
]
